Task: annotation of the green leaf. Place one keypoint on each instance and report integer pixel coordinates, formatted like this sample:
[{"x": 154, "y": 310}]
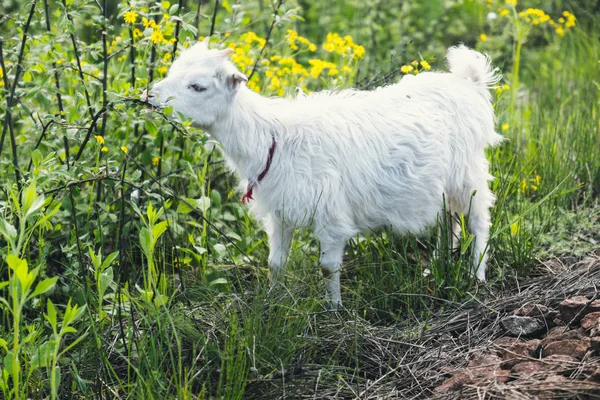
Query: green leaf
[
  {"x": 183, "y": 208},
  {"x": 42, "y": 356},
  {"x": 72, "y": 314},
  {"x": 111, "y": 257},
  {"x": 226, "y": 6},
  {"x": 159, "y": 229},
  {"x": 36, "y": 157},
  {"x": 145, "y": 240},
  {"x": 8, "y": 231},
  {"x": 203, "y": 203},
  {"x": 3, "y": 344},
  {"x": 37, "y": 204},
  {"x": 51, "y": 315},
  {"x": 44, "y": 286},
  {"x": 56, "y": 383},
  {"x": 28, "y": 197},
  {"x": 4, "y": 284},
  {"x": 151, "y": 128},
  {"x": 68, "y": 329},
  {"x": 218, "y": 281}
]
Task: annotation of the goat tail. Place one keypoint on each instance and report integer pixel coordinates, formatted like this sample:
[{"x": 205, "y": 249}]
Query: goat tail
[{"x": 473, "y": 65}]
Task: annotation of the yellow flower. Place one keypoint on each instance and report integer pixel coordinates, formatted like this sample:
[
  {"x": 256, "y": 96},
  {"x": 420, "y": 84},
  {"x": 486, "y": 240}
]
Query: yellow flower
[
  {"x": 560, "y": 31},
  {"x": 515, "y": 228},
  {"x": 155, "y": 161},
  {"x": 99, "y": 139},
  {"x": 483, "y": 37},
  {"x": 124, "y": 149},
  {"x": 148, "y": 22},
  {"x": 415, "y": 63},
  {"x": 104, "y": 149},
  {"x": 312, "y": 47},
  {"x": 498, "y": 90},
  {"x": 505, "y": 127},
  {"x": 359, "y": 52},
  {"x": 157, "y": 36},
  {"x": 347, "y": 68},
  {"x": 504, "y": 12},
  {"x": 425, "y": 65},
  {"x": 130, "y": 17},
  {"x": 505, "y": 87},
  {"x": 511, "y": 2},
  {"x": 137, "y": 33},
  {"x": 405, "y": 69},
  {"x": 523, "y": 185},
  {"x": 538, "y": 179},
  {"x": 333, "y": 72},
  {"x": 162, "y": 70}
]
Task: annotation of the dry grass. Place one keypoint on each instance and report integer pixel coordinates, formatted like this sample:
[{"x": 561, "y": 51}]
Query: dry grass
[{"x": 402, "y": 361}]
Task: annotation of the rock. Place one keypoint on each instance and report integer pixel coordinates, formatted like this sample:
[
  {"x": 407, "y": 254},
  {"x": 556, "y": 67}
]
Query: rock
[
  {"x": 536, "y": 310},
  {"x": 591, "y": 320},
  {"x": 512, "y": 351},
  {"x": 485, "y": 362},
  {"x": 560, "y": 359},
  {"x": 522, "y": 326},
  {"x": 558, "y": 333},
  {"x": 528, "y": 368},
  {"x": 502, "y": 375},
  {"x": 570, "y": 347},
  {"x": 575, "y": 308},
  {"x": 455, "y": 383},
  {"x": 595, "y": 343},
  {"x": 555, "y": 379},
  {"x": 594, "y": 377}
]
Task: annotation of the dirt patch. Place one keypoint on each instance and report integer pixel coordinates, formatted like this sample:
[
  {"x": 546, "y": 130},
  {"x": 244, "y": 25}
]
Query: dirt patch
[{"x": 469, "y": 351}]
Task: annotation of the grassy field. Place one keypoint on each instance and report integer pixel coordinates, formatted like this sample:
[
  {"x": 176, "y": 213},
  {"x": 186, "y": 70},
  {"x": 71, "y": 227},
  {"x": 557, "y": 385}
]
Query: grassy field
[{"x": 131, "y": 270}]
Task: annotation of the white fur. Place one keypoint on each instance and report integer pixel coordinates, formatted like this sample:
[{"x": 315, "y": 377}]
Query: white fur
[{"x": 352, "y": 160}]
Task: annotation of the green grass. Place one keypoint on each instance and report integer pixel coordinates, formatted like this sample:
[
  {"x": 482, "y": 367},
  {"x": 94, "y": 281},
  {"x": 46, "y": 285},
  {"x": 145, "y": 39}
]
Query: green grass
[{"x": 134, "y": 279}]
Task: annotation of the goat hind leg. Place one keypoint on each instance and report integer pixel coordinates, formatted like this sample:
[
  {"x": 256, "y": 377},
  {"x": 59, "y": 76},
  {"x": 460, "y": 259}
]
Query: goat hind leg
[{"x": 331, "y": 263}]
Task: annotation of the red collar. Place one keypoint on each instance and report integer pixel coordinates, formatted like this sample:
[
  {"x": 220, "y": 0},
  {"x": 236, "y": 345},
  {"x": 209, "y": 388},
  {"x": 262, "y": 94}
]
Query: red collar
[{"x": 250, "y": 188}]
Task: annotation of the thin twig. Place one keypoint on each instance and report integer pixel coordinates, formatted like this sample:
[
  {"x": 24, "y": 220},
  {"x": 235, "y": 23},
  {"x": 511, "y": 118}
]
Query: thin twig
[
  {"x": 275, "y": 14},
  {"x": 89, "y": 134},
  {"x": 78, "y": 60},
  {"x": 197, "y": 20},
  {"x": 214, "y": 19},
  {"x": 10, "y": 100}
]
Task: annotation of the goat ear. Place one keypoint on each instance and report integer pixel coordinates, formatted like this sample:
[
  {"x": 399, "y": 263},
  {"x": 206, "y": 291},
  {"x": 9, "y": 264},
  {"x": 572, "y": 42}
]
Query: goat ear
[
  {"x": 203, "y": 45},
  {"x": 225, "y": 52},
  {"x": 235, "y": 80}
]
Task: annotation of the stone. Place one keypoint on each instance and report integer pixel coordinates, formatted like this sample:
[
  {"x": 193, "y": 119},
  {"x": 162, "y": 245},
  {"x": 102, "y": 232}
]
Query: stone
[
  {"x": 575, "y": 308},
  {"x": 484, "y": 361},
  {"x": 556, "y": 379},
  {"x": 558, "y": 333},
  {"x": 577, "y": 348},
  {"x": 561, "y": 359},
  {"x": 595, "y": 343},
  {"x": 522, "y": 326},
  {"x": 513, "y": 351},
  {"x": 591, "y": 320},
  {"x": 455, "y": 383},
  {"x": 529, "y": 368}
]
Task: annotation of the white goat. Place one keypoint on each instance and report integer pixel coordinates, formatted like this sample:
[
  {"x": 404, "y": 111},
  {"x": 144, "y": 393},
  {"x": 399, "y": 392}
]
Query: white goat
[{"x": 344, "y": 162}]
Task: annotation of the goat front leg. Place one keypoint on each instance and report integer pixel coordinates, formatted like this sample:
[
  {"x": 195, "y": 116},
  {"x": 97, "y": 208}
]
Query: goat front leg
[
  {"x": 331, "y": 264},
  {"x": 280, "y": 239}
]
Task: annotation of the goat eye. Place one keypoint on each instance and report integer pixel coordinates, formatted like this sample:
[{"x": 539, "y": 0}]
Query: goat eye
[{"x": 197, "y": 87}]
